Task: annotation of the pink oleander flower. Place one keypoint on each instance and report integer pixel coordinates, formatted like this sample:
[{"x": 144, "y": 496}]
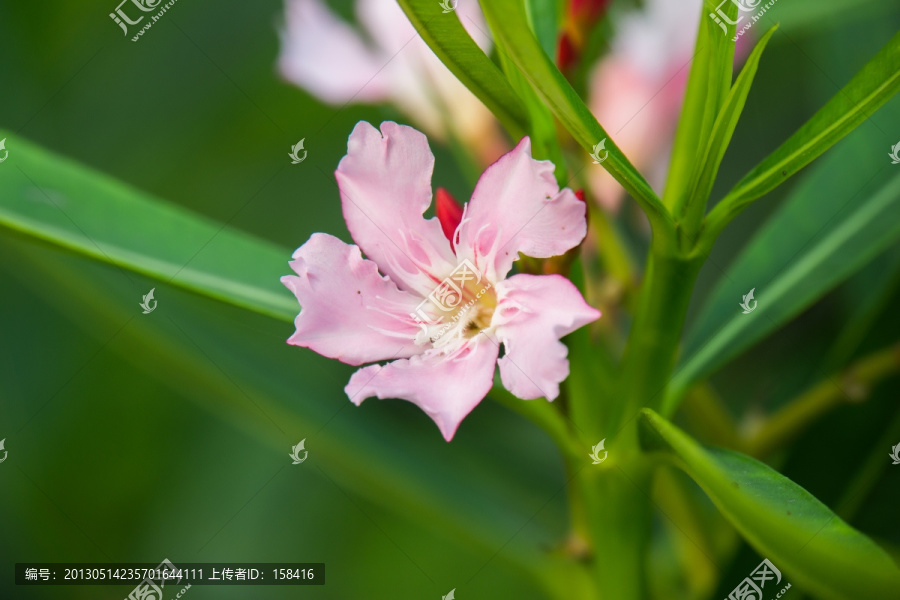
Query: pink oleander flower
[
  {"x": 385, "y": 60},
  {"x": 439, "y": 308}
]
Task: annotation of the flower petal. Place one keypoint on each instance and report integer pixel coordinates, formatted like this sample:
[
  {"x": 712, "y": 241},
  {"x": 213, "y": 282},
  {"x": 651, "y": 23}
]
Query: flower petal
[
  {"x": 385, "y": 182},
  {"x": 517, "y": 207},
  {"x": 533, "y": 313},
  {"x": 446, "y": 386},
  {"x": 317, "y": 44},
  {"x": 349, "y": 311}
]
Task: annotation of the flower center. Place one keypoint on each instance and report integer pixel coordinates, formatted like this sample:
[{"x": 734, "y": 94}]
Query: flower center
[
  {"x": 476, "y": 313},
  {"x": 458, "y": 311}
]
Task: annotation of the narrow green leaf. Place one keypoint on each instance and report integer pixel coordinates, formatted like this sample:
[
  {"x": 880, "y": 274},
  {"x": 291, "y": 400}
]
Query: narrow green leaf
[
  {"x": 542, "y": 127},
  {"x": 543, "y": 18},
  {"x": 802, "y": 537},
  {"x": 446, "y": 36},
  {"x": 510, "y": 28},
  {"x": 722, "y": 131},
  {"x": 824, "y": 233},
  {"x": 720, "y": 62},
  {"x": 862, "y": 96},
  {"x": 707, "y": 88},
  {"x": 48, "y": 197}
]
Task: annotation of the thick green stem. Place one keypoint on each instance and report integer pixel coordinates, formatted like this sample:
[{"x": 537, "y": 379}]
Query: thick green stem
[
  {"x": 615, "y": 493},
  {"x": 619, "y": 519},
  {"x": 656, "y": 332}
]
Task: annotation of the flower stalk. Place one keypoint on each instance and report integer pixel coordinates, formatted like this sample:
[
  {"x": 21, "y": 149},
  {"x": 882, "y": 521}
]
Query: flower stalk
[
  {"x": 653, "y": 342},
  {"x": 619, "y": 517}
]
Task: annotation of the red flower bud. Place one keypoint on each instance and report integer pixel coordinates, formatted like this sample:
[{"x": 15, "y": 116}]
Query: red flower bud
[
  {"x": 449, "y": 212},
  {"x": 566, "y": 54}
]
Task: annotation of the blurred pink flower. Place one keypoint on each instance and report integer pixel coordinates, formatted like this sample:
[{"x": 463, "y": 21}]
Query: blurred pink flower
[
  {"x": 579, "y": 19},
  {"x": 387, "y": 62},
  {"x": 441, "y": 310},
  {"x": 637, "y": 89}
]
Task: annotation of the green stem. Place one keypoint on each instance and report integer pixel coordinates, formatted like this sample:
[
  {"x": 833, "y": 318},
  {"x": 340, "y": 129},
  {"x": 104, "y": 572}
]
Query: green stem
[
  {"x": 615, "y": 493},
  {"x": 619, "y": 519},
  {"x": 653, "y": 342}
]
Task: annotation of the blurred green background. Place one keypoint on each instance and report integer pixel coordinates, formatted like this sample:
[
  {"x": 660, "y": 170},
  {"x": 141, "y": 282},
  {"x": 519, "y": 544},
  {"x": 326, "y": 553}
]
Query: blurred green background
[{"x": 134, "y": 438}]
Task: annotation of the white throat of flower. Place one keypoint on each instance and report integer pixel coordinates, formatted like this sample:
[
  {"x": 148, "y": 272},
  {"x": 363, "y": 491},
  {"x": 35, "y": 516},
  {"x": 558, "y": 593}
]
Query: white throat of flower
[{"x": 460, "y": 308}]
